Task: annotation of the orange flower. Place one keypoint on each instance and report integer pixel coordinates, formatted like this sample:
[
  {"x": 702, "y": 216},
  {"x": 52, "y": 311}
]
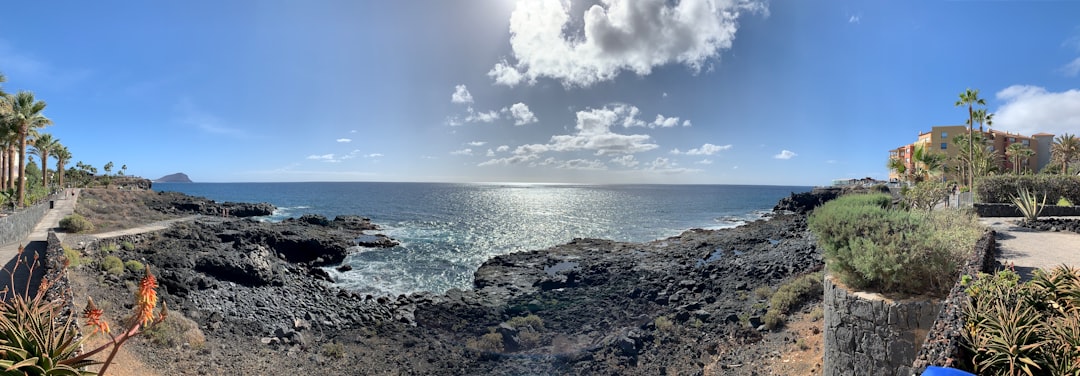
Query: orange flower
[
  {"x": 92, "y": 314},
  {"x": 146, "y": 299}
]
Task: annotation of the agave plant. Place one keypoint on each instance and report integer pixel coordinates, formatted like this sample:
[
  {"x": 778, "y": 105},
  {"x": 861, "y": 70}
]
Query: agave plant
[{"x": 1029, "y": 204}]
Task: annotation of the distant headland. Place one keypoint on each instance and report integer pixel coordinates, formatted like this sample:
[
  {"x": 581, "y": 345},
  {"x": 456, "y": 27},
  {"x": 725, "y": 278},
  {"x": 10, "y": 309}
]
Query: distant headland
[{"x": 178, "y": 177}]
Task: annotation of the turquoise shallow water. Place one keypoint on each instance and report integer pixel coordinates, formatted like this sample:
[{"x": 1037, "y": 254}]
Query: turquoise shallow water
[{"x": 448, "y": 230}]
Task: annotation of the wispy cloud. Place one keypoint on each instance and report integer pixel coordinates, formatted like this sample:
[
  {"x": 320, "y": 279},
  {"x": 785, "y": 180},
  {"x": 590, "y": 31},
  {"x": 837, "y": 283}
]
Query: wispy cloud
[
  {"x": 785, "y": 154},
  {"x": 344, "y": 140},
  {"x": 191, "y": 115},
  {"x": 1072, "y": 68},
  {"x": 706, "y": 149}
]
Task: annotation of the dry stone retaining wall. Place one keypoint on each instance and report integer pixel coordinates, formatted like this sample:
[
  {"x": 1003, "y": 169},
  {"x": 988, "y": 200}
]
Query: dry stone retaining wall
[
  {"x": 17, "y": 226},
  {"x": 866, "y": 334}
]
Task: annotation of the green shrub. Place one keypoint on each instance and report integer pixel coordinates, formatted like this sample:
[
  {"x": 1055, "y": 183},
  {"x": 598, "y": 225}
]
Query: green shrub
[
  {"x": 76, "y": 224},
  {"x": 532, "y": 322},
  {"x": 109, "y": 247},
  {"x": 128, "y": 246},
  {"x": 113, "y": 265},
  {"x": 790, "y": 295},
  {"x": 176, "y": 330},
  {"x": 868, "y": 245},
  {"x": 73, "y": 256},
  {"x": 133, "y": 266},
  {"x": 763, "y": 292},
  {"x": 1024, "y": 328},
  {"x": 664, "y": 324},
  {"x": 1000, "y": 188},
  {"x": 926, "y": 194},
  {"x": 490, "y": 342},
  {"x": 334, "y": 350},
  {"x": 1064, "y": 202}
]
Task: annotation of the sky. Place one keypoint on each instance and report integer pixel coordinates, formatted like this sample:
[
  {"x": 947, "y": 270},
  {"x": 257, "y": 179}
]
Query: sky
[{"x": 783, "y": 92}]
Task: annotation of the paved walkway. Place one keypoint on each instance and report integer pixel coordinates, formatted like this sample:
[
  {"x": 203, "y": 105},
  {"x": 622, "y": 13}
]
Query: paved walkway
[
  {"x": 1029, "y": 249},
  {"x": 35, "y": 244}
]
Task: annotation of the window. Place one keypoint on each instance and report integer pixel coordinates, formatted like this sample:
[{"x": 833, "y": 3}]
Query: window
[
  {"x": 944, "y": 145},
  {"x": 1025, "y": 142},
  {"x": 944, "y": 135},
  {"x": 1012, "y": 139}
]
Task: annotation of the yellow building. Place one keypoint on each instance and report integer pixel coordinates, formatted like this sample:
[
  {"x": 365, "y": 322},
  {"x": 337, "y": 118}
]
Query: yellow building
[{"x": 940, "y": 140}]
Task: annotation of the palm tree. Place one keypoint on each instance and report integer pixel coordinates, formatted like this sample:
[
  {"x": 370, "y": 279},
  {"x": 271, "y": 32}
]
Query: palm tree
[
  {"x": 927, "y": 163},
  {"x": 1016, "y": 152},
  {"x": 980, "y": 117},
  {"x": 7, "y": 143},
  {"x": 43, "y": 145},
  {"x": 970, "y": 98},
  {"x": 1065, "y": 147},
  {"x": 26, "y": 115},
  {"x": 62, "y": 156},
  {"x": 895, "y": 164}
]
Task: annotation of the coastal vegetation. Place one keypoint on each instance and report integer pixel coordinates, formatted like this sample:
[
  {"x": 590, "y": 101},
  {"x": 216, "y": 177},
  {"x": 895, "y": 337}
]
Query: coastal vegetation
[
  {"x": 790, "y": 295},
  {"x": 1015, "y": 328},
  {"x": 1001, "y": 188},
  {"x": 870, "y": 243}
]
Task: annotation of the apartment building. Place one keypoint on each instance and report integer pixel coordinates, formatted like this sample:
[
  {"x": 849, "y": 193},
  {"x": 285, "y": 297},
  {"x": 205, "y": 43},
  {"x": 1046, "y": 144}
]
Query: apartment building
[{"x": 940, "y": 140}]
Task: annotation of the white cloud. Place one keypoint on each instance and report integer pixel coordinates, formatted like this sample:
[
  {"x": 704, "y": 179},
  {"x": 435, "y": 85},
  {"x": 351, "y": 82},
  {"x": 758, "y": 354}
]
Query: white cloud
[
  {"x": 625, "y": 160},
  {"x": 477, "y": 143},
  {"x": 344, "y": 140},
  {"x": 453, "y": 121},
  {"x": 704, "y": 162},
  {"x": 512, "y": 160},
  {"x": 854, "y": 19},
  {"x": 481, "y": 117},
  {"x": 374, "y": 155},
  {"x": 1071, "y": 69},
  {"x": 465, "y": 151},
  {"x": 686, "y": 123},
  {"x": 329, "y": 158},
  {"x": 663, "y": 95},
  {"x": 1032, "y": 109},
  {"x": 490, "y": 153},
  {"x": 616, "y": 36},
  {"x": 461, "y": 95},
  {"x": 521, "y": 114},
  {"x": 664, "y": 122},
  {"x": 785, "y": 154},
  {"x": 594, "y": 134},
  {"x": 502, "y": 148},
  {"x": 706, "y": 149},
  {"x": 352, "y": 131},
  {"x": 573, "y": 164}
]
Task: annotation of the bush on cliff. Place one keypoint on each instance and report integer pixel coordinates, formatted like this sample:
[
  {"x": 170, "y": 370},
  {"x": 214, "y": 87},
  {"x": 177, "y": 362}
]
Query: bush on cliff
[
  {"x": 76, "y": 224},
  {"x": 869, "y": 244}
]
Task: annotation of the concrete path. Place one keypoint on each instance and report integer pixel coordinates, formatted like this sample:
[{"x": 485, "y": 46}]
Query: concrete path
[
  {"x": 1029, "y": 249},
  {"x": 22, "y": 282}
]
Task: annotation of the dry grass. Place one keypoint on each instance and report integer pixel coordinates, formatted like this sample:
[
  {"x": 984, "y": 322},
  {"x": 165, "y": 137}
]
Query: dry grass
[{"x": 111, "y": 209}]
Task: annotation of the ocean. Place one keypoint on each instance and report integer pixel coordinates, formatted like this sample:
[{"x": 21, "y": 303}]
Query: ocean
[{"x": 447, "y": 230}]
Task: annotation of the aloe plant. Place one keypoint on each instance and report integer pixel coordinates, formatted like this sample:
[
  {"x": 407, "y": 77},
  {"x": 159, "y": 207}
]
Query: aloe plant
[{"x": 1029, "y": 204}]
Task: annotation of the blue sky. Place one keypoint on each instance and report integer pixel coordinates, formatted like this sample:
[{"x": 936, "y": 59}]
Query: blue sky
[{"x": 613, "y": 91}]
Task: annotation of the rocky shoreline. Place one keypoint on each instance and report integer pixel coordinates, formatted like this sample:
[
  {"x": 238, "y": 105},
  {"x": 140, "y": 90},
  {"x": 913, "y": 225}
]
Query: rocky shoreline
[{"x": 682, "y": 305}]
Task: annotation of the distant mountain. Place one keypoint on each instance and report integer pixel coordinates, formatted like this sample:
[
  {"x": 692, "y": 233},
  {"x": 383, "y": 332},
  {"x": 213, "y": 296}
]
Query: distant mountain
[{"x": 178, "y": 177}]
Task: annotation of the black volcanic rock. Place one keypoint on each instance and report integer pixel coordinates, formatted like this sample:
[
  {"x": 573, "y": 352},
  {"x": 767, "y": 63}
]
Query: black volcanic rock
[
  {"x": 178, "y": 177},
  {"x": 179, "y": 203}
]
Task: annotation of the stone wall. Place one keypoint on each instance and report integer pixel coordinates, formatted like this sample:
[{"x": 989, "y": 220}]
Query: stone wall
[
  {"x": 17, "y": 226},
  {"x": 942, "y": 347},
  {"x": 867, "y": 334}
]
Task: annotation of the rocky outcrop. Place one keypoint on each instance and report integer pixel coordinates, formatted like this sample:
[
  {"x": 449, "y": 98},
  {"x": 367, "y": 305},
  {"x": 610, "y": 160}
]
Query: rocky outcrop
[
  {"x": 131, "y": 182},
  {"x": 178, "y": 177},
  {"x": 245, "y": 277},
  {"x": 806, "y": 201},
  {"x": 179, "y": 203},
  {"x": 669, "y": 306}
]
